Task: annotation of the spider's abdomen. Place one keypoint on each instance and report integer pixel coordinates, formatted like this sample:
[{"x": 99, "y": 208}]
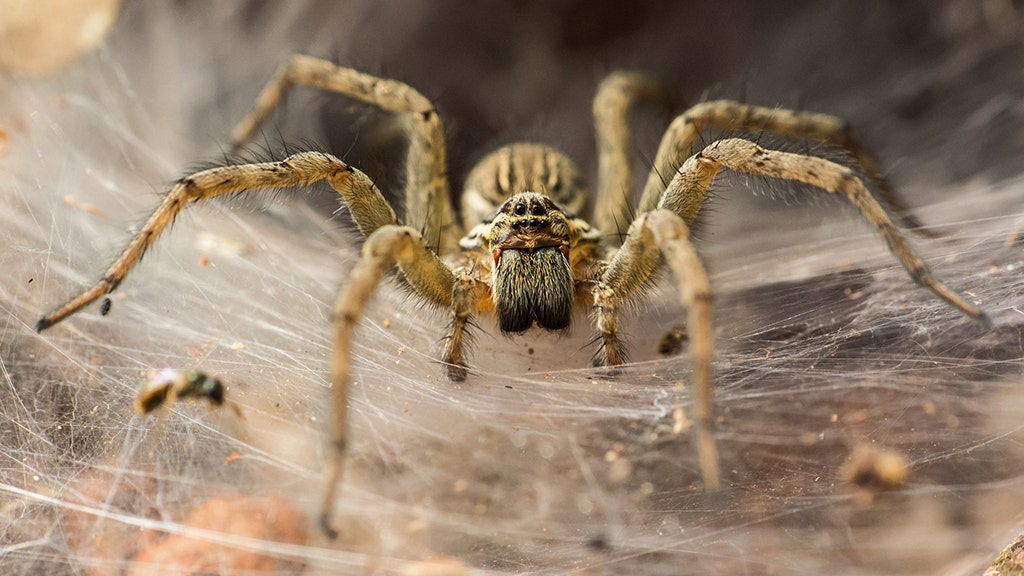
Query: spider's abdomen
[
  {"x": 521, "y": 168},
  {"x": 533, "y": 286}
]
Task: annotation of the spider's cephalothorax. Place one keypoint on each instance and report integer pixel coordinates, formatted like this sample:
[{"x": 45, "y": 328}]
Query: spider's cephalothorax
[
  {"x": 531, "y": 279},
  {"x": 528, "y": 256}
]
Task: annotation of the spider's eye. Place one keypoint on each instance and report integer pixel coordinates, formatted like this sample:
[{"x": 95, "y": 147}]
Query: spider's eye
[
  {"x": 519, "y": 209},
  {"x": 537, "y": 210}
]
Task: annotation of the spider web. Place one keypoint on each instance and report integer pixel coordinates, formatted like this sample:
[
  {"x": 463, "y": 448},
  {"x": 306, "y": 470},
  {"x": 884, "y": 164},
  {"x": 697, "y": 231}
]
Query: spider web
[{"x": 535, "y": 464}]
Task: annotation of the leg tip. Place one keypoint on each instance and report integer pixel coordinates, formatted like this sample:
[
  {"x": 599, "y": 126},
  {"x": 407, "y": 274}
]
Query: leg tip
[
  {"x": 715, "y": 498},
  {"x": 325, "y": 526},
  {"x": 456, "y": 372},
  {"x": 43, "y": 324},
  {"x": 985, "y": 320},
  {"x": 607, "y": 370}
]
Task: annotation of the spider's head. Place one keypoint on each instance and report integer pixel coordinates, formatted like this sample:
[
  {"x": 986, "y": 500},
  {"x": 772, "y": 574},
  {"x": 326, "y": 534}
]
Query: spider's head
[{"x": 532, "y": 278}]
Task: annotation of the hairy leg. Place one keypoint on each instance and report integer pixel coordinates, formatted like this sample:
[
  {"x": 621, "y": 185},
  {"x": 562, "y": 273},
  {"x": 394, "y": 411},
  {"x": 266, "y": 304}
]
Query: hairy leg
[
  {"x": 683, "y": 134},
  {"x": 653, "y": 237},
  {"x": 745, "y": 156},
  {"x": 466, "y": 294},
  {"x": 368, "y": 207},
  {"x": 428, "y": 202},
  {"x": 615, "y": 98},
  {"x": 383, "y": 249}
]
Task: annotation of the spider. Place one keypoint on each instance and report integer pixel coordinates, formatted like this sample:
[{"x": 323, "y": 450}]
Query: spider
[{"x": 521, "y": 251}]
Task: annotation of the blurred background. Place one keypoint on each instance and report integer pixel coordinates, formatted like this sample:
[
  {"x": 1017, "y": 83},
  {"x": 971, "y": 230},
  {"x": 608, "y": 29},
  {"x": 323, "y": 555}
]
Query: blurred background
[{"x": 536, "y": 464}]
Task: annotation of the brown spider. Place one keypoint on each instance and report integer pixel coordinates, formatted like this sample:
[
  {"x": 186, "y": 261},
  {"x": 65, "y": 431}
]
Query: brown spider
[{"x": 521, "y": 252}]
